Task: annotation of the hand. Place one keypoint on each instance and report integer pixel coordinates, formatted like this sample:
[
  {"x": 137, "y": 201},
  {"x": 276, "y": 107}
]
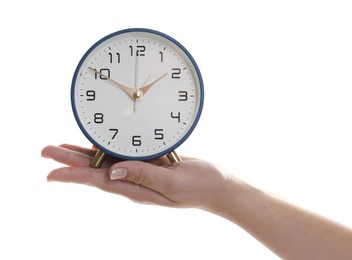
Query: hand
[
  {"x": 190, "y": 183},
  {"x": 289, "y": 231}
]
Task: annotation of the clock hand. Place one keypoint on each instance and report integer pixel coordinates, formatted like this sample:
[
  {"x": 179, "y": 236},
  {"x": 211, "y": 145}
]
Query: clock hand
[
  {"x": 136, "y": 70},
  {"x": 139, "y": 94},
  {"x": 146, "y": 88},
  {"x": 129, "y": 91},
  {"x": 136, "y": 95}
]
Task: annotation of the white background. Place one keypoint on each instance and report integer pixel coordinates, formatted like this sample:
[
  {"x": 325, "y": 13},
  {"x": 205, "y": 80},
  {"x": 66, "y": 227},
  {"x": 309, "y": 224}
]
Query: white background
[{"x": 277, "y": 113}]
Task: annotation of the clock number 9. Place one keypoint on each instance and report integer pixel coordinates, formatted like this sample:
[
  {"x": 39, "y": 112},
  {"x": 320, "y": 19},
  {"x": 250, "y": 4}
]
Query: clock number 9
[{"x": 90, "y": 95}]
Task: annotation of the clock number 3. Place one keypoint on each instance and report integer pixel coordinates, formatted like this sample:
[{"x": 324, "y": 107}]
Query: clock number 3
[{"x": 182, "y": 95}]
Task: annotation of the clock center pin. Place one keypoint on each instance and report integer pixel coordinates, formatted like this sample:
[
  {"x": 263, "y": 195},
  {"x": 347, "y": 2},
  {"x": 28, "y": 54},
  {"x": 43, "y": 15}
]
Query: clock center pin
[{"x": 137, "y": 95}]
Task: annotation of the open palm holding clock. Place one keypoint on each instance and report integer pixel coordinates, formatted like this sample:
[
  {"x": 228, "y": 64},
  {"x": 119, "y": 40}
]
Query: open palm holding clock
[{"x": 137, "y": 95}]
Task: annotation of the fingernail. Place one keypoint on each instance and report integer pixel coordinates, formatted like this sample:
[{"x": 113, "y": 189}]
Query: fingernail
[{"x": 118, "y": 173}]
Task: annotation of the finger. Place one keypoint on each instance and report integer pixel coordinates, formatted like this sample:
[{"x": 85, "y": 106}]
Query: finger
[
  {"x": 165, "y": 161},
  {"x": 91, "y": 152},
  {"x": 66, "y": 156},
  {"x": 160, "y": 161},
  {"x": 87, "y": 151},
  {"x": 99, "y": 178},
  {"x": 148, "y": 175},
  {"x": 81, "y": 175}
]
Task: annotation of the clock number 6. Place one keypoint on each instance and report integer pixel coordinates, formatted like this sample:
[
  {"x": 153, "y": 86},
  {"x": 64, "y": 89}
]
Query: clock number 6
[{"x": 136, "y": 140}]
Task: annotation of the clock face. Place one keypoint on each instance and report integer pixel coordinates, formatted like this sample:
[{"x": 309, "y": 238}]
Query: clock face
[{"x": 137, "y": 94}]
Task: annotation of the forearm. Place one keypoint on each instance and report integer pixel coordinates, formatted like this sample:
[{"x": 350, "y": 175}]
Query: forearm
[{"x": 289, "y": 231}]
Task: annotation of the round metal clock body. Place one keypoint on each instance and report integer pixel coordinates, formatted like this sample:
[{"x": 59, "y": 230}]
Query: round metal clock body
[{"x": 137, "y": 94}]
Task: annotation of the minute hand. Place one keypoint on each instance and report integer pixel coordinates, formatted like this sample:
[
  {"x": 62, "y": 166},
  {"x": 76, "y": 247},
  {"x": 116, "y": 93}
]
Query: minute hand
[
  {"x": 146, "y": 88},
  {"x": 128, "y": 90}
]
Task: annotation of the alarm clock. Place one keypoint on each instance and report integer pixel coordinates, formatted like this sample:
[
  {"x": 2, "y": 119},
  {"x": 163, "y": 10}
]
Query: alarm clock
[{"x": 137, "y": 94}]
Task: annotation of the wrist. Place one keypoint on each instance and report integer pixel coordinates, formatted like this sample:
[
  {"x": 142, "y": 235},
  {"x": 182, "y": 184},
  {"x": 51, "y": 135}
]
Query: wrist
[{"x": 232, "y": 201}]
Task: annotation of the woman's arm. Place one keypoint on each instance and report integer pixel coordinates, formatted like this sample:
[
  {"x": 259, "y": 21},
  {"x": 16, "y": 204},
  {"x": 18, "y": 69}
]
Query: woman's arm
[{"x": 289, "y": 231}]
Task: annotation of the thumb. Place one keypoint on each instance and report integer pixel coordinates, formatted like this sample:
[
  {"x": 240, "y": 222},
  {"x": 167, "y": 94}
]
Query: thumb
[{"x": 154, "y": 177}]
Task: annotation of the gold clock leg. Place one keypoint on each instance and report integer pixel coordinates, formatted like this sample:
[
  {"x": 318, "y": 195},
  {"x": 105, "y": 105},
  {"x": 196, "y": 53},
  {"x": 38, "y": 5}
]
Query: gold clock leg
[
  {"x": 98, "y": 159},
  {"x": 173, "y": 157}
]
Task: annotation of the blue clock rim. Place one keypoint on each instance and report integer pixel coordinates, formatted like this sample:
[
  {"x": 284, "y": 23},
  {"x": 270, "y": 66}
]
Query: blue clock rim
[{"x": 148, "y": 157}]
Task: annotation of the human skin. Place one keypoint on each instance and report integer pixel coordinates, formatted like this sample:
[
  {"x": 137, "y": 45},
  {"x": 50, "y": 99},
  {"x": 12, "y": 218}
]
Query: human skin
[{"x": 289, "y": 231}]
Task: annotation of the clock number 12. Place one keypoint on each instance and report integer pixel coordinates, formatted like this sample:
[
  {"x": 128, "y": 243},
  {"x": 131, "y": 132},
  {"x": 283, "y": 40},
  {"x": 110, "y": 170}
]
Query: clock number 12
[{"x": 140, "y": 49}]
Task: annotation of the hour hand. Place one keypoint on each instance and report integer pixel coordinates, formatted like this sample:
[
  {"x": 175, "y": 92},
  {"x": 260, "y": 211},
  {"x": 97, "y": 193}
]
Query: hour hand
[
  {"x": 147, "y": 87},
  {"x": 129, "y": 91}
]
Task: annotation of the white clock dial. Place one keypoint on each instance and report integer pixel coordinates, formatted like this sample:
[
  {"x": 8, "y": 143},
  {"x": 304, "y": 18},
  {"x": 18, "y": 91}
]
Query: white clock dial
[{"x": 137, "y": 94}]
